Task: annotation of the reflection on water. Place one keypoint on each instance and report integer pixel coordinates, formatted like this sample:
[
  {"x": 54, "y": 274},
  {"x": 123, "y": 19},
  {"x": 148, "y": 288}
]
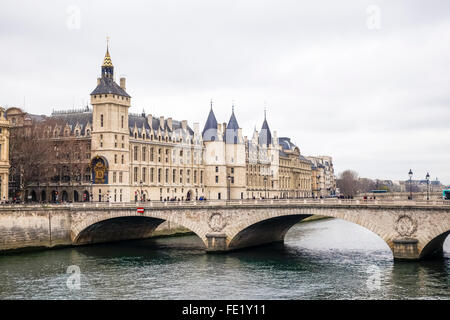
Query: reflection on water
[{"x": 329, "y": 259}]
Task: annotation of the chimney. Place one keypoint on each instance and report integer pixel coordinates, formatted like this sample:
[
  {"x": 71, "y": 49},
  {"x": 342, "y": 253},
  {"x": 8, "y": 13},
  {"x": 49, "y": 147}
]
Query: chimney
[
  {"x": 161, "y": 122},
  {"x": 98, "y": 81},
  {"x": 184, "y": 124},
  {"x": 122, "y": 83},
  {"x": 150, "y": 120},
  {"x": 169, "y": 123},
  {"x": 196, "y": 128},
  {"x": 224, "y": 127}
]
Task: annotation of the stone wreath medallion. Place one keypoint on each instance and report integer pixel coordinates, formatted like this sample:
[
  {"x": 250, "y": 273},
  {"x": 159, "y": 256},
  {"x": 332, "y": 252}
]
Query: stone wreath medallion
[
  {"x": 405, "y": 226},
  {"x": 216, "y": 222}
]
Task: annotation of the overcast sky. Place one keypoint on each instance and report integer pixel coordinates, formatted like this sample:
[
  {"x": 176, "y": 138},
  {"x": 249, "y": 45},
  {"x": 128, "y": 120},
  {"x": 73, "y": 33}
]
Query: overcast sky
[{"x": 366, "y": 82}]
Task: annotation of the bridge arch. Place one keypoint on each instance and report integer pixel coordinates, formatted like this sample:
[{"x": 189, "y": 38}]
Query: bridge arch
[
  {"x": 117, "y": 226},
  {"x": 272, "y": 227},
  {"x": 433, "y": 243}
]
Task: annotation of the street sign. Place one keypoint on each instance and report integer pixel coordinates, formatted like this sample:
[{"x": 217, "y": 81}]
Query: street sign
[{"x": 140, "y": 210}]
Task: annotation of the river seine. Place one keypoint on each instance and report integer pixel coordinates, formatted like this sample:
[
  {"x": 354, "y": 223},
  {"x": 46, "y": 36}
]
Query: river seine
[{"x": 326, "y": 259}]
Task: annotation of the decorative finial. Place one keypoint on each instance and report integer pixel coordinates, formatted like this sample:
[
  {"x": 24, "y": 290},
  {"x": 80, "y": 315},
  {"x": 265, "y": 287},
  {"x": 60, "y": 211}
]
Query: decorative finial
[
  {"x": 107, "y": 43},
  {"x": 232, "y": 106},
  {"x": 265, "y": 110},
  {"x": 211, "y": 103}
]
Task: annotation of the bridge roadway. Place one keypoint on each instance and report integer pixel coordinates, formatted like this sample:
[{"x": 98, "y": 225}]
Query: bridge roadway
[{"x": 413, "y": 230}]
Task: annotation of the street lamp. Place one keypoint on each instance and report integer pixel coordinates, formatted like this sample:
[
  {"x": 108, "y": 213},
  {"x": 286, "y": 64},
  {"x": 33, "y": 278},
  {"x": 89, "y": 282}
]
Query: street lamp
[
  {"x": 428, "y": 186},
  {"x": 410, "y": 173},
  {"x": 142, "y": 193}
]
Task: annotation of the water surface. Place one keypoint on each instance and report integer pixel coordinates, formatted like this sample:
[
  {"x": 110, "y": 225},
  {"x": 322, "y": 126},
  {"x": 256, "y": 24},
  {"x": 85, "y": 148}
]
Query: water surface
[{"x": 327, "y": 259}]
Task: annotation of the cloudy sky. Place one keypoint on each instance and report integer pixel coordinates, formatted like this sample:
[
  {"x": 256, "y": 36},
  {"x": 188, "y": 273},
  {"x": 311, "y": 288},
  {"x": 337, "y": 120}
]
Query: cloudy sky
[{"x": 366, "y": 82}]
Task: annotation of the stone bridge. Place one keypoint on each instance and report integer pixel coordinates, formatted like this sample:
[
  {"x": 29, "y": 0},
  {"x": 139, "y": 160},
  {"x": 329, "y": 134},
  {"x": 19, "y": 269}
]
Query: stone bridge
[{"x": 412, "y": 230}]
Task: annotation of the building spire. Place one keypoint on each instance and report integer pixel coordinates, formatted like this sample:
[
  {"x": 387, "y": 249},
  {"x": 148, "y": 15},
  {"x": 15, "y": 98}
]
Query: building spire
[
  {"x": 107, "y": 66},
  {"x": 107, "y": 60}
]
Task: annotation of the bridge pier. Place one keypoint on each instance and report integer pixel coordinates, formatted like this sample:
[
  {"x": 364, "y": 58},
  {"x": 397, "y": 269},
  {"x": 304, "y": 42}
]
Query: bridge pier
[
  {"x": 216, "y": 242},
  {"x": 406, "y": 249}
]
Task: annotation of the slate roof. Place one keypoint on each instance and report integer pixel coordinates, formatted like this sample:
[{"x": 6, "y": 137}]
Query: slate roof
[
  {"x": 231, "y": 132},
  {"x": 141, "y": 121},
  {"x": 107, "y": 85},
  {"x": 209, "y": 132},
  {"x": 72, "y": 119},
  {"x": 286, "y": 143},
  {"x": 265, "y": 136}
]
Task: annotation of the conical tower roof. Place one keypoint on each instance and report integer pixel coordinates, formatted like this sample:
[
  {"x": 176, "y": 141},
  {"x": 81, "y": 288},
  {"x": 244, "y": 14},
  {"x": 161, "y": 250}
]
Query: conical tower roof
[
  {"x": 231, "y": 132},
  {"x": 210, "y": 129},
  {"x": 265, "y": 136}
]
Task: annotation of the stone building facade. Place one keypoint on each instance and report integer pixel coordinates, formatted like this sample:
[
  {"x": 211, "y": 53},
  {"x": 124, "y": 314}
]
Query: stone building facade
[
  {"x": 124, "y": 157},
  {"x": 322, "y": 176},
  {"x": 4, "y": 156}
]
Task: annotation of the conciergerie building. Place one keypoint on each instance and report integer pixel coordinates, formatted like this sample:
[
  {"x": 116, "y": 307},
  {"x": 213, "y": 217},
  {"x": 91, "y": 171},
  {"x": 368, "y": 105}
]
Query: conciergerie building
[{"x": 142, "y": 157}]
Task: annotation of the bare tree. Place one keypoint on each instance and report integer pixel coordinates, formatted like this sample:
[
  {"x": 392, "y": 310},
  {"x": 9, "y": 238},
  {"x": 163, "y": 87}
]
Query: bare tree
[
  {"x": 29, "y": 157},
  {"x": 366, "y": 185},
  {"x": 348, "y": 183},
  {"x": 42, "y": 152}
]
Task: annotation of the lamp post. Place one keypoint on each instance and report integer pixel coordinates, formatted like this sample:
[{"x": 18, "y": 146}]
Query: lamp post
[
  {"x": 141, "y": 183},
  {"x": 410, "y": 173},
  {"x": 428, "y": 186}
]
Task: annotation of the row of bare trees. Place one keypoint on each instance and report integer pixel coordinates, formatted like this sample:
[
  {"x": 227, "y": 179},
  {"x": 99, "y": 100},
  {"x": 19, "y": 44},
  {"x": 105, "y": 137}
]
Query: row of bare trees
[
  {"x": 350, "y": 184},
  {"x": 37, "y": 159}
]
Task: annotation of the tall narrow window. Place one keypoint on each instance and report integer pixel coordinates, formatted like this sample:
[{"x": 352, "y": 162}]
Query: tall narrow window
[
  {"x": 101, "y": 120},
  {"x": 120, "y": 177},
  {"x": 121, "y": 124}
]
